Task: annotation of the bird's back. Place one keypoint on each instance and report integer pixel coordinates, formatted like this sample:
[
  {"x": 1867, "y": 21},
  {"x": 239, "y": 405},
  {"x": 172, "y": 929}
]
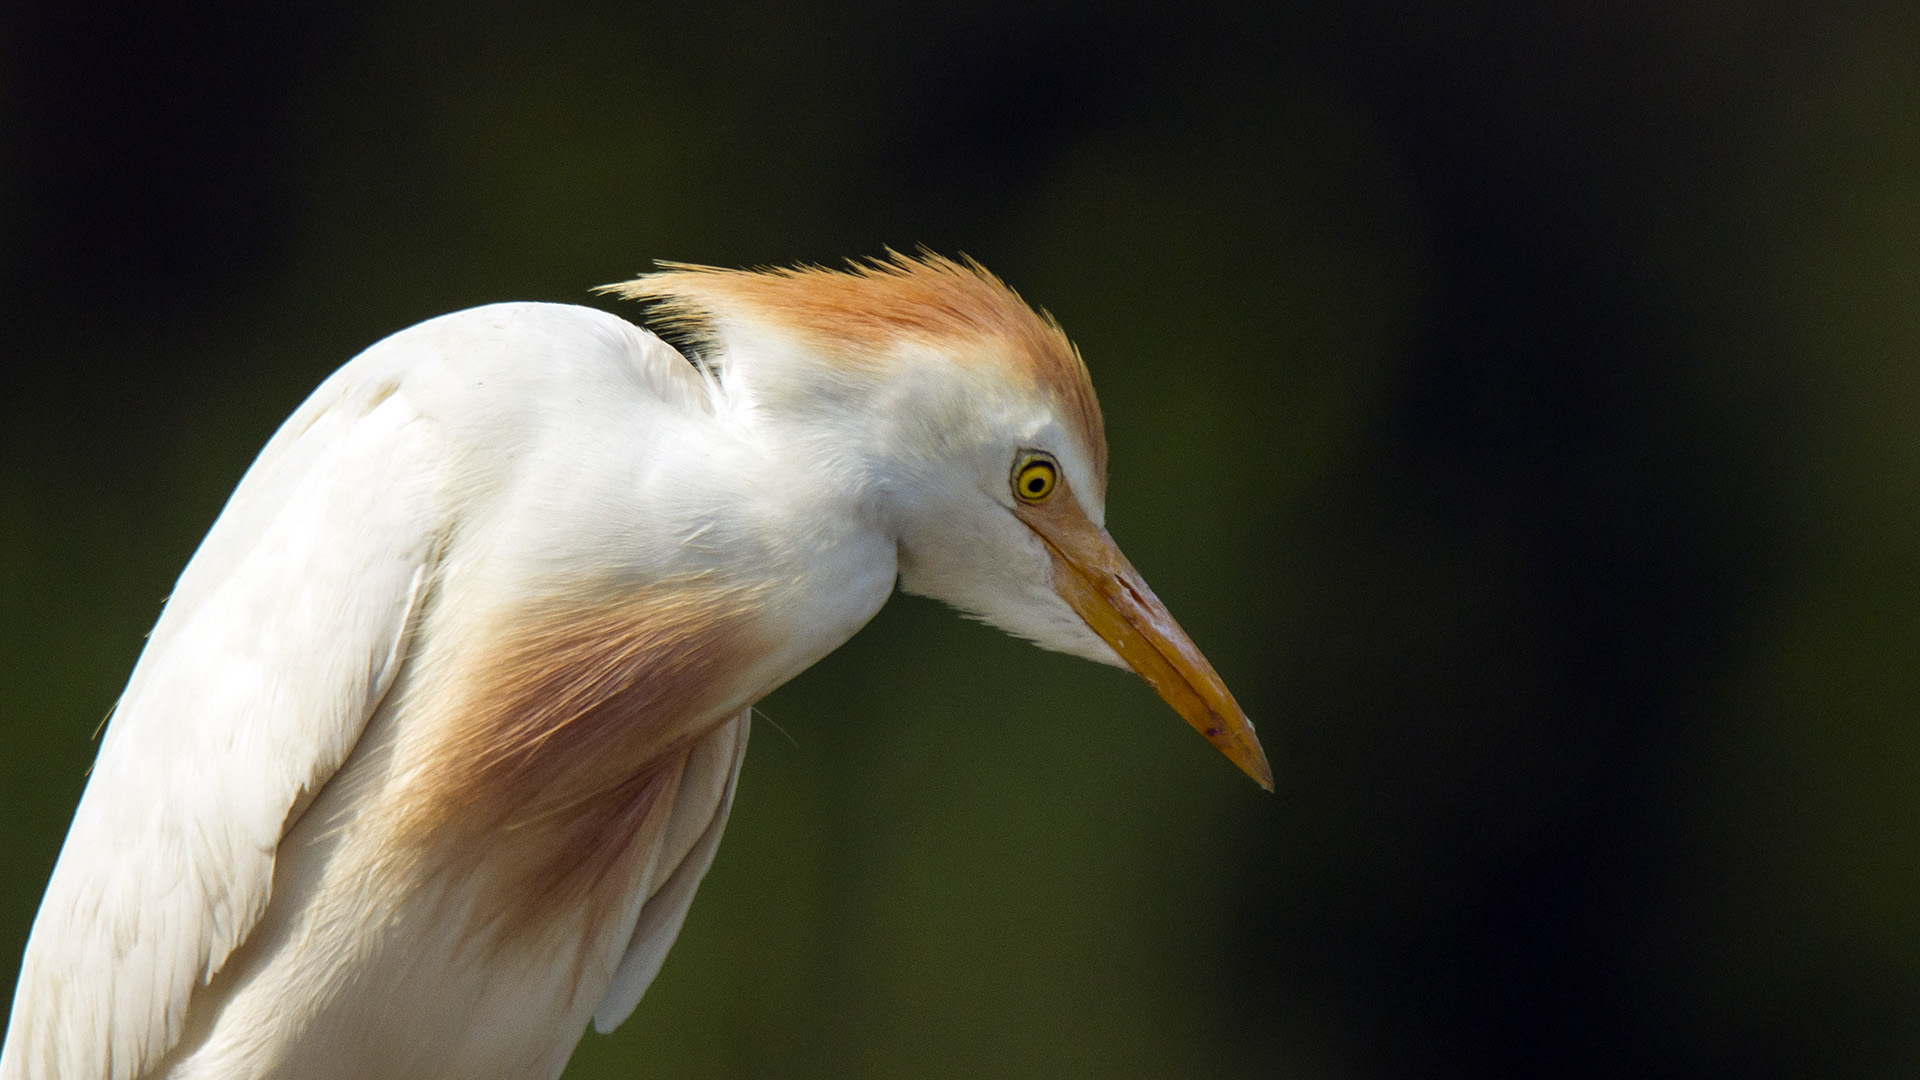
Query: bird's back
[{"x": 233, "y": 898}]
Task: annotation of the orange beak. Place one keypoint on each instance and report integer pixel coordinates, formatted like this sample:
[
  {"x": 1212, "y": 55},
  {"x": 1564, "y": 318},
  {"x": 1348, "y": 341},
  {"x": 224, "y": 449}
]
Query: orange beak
[{"x": 1098, "y": 582}]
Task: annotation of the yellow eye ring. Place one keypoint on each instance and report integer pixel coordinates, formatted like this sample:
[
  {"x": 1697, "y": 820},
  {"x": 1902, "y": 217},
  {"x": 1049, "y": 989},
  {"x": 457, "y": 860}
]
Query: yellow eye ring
[{"x": 1035, "y": 475}]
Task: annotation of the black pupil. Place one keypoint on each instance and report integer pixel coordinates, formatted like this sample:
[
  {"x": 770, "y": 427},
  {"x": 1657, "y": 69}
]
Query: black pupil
[{"x": 1036, "y": 483}]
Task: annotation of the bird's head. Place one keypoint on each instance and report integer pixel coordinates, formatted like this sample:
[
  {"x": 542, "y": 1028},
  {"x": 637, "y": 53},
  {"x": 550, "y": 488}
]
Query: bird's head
[{"x": 978, "y": 444}]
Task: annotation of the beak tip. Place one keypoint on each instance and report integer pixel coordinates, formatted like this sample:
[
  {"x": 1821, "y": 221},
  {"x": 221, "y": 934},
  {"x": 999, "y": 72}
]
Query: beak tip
[{"x": 1256, "y": 767}]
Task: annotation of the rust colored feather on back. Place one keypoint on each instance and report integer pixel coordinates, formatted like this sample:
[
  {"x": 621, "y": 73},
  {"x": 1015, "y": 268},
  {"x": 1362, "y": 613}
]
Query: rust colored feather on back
[{"x": 564, "y": 747}]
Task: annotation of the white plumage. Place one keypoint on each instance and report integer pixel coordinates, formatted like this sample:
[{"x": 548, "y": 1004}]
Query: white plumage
[{"x": 439, "y": 730}]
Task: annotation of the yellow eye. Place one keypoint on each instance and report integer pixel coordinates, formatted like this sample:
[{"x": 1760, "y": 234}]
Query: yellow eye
[{"x": 1034, "y": 477}]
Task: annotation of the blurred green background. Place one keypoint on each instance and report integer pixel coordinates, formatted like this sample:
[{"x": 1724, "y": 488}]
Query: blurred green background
[{"x": 1520, "y": 403}]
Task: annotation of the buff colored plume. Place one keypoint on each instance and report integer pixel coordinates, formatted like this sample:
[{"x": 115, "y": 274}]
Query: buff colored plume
[{"x": 858, "y": 314}]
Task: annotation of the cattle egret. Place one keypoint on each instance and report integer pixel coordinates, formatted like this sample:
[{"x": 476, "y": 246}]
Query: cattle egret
[{"x": 440, "y": 727}]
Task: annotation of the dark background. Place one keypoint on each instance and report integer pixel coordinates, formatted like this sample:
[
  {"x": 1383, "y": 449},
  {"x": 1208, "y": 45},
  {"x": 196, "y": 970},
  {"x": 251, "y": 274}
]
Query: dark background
[{"x": 1517, "y": 401}]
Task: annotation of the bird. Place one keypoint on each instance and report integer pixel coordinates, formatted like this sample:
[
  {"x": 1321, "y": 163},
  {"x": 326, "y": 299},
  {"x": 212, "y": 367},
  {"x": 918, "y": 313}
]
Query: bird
[{"x": 439, "y": 729}]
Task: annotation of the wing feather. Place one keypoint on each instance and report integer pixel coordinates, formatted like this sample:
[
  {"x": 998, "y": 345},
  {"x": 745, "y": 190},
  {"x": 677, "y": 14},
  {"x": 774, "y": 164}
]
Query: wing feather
[
  {"x": 699, "y": 817},
  {"x": 280, "y": 638}
]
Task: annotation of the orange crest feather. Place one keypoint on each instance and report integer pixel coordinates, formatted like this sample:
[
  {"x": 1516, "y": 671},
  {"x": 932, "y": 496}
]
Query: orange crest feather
[{"x": 859, "y": 314}]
